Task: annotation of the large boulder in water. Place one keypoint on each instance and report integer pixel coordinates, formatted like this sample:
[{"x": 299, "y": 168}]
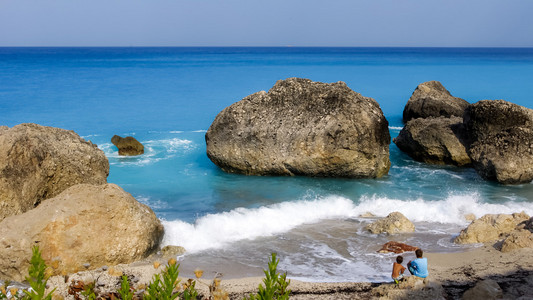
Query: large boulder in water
[
  {"x": 128, "y": 146},
  {"x": 86, "y": 226},
  {"x": 501, "y": 135},
  {"x": 432, "y": 99},
  {"x": 434, "y": 140},
  {"x": 38, "y": 162},
  {"x": 301, "y": 127}
]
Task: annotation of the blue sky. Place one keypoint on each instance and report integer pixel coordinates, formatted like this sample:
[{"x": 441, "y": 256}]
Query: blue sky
[{"x": 424, "y": 23}]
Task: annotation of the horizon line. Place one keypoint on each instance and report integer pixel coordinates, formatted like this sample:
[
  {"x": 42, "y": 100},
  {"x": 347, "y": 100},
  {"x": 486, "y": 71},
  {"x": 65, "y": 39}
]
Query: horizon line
[{"x": 286, "y": 46}]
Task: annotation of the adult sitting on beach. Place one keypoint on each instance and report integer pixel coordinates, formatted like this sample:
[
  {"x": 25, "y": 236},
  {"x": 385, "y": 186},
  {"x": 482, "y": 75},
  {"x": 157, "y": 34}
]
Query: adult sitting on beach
[{"x": 419, "y": 266}]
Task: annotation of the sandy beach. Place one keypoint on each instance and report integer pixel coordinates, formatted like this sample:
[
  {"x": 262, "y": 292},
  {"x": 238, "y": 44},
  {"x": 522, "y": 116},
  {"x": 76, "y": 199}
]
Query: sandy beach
[{"x": 451, "y": 274}]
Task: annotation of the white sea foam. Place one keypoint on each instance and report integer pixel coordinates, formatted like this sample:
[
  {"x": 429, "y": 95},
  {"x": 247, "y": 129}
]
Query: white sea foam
[
  {"x": 218, "y": 230},
  {"x": 395, "y": 128},
  {"x": 154, "y": 151},
  {"x": 200, "y": 131}
]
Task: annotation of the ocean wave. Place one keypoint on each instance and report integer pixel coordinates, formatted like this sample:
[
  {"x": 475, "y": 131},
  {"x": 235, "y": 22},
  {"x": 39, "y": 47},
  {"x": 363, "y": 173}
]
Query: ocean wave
[
  {"x": 154, "y": 151},
  {"x": 218, "y": 230},
  {"x": 395, "y": 128},
  {"x": 200, "y": 131}
]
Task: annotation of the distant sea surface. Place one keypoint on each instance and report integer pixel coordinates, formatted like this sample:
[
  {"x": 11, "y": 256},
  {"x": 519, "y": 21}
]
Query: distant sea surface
[{"x": 167, "y": 98}]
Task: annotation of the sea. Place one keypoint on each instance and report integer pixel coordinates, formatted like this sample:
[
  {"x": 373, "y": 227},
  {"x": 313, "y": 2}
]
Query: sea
[{"x": 167, "y": 98}]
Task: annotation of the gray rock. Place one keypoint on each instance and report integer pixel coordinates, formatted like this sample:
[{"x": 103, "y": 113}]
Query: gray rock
[
  {"x": 301, "y": 127},
  {"x": 435, "y": 141},
  {"x": 432, "y": 99},
  {"x": 128, "y": 146},
  {"x": 38, "y": 163},
  {"x": 501, "y": 135},
  {"x": 172, "y": 251}
]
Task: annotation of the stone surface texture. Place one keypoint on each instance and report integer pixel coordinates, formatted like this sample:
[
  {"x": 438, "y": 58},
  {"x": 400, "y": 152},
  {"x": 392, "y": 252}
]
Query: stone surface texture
[
  {"x": 434, "y": 141},
  {"x": 501, "y": 135},
  {"x": 86, "y": 226},
  {"x": 432, "y": 99},
  {"x": 394, "y": 223},
  {"x": 128, "y": 146},
  {"x": 301, "y": 127},
  {"x": 517, "y": 239},
  {"x": 38, "y": 162},
  {"x": 490, "y": 228},
  {"x": 487, "y": 289}
]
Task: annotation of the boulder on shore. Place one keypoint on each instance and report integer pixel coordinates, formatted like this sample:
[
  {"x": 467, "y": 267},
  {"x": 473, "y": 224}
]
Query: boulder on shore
[
  {"x": 86, "y": 226},
  {"x": 490, "y": 228},
  {"x": 301, "y": 127},
  {"x": 394, "y": 223},
  {"x": 38, "y": 162},
  {"x": 128, "y": 146},
  {"x": 432, "y": 99},
  {"x": 502, "y": 140},
  {"x": 434, "y": 141}
]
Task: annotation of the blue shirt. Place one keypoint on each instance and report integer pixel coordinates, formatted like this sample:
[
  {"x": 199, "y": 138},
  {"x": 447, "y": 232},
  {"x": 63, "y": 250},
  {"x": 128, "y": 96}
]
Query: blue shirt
[{"x": 419, "y": 267}]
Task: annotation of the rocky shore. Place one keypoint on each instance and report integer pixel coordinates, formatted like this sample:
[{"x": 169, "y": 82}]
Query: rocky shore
[{"x": 55, "y": 192}]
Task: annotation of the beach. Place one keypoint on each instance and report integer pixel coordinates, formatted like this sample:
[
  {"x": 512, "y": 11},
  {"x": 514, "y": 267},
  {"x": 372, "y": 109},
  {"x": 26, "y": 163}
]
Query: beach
[{"x": 451, "y": 273}]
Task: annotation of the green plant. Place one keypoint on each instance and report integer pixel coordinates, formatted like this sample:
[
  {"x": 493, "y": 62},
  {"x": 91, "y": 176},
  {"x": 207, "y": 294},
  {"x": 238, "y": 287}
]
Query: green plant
[
  {"x": 189, "y": 292},
  {"x": 125, "y": 290},
  {"x": 275, "y": 285},
  {"x": 88, "y": 291},
  {"x": 163, "y": 285},
  {"x": 37, "y": 277}
]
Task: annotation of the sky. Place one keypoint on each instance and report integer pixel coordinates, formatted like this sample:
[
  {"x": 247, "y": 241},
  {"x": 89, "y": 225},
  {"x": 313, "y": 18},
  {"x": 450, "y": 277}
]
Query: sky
[{"x": 350, "y": 23}]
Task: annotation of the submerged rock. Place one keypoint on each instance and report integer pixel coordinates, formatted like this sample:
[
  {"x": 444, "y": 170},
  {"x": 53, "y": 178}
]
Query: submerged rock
[
  {"x": 86, "y": 225},
  {"x": 127, "y": 146},
  {"x": 396, "y": 247},
  {"x": 394, "y": 223},
  {"x": 502, "y": 140},
  {"x": 301, "y": 127},
  {"x": 38, "y": 162},
  {"x": 490, "y": 228},
  {"x": 432, "y": 99},
  {"x": 434, "y": 141}
]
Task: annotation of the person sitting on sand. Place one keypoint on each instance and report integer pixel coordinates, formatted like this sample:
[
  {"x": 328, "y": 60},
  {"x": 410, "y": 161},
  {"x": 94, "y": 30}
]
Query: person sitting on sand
[
  {"x": 419, "y": 266},
  {"x": 398, "y": 269}
]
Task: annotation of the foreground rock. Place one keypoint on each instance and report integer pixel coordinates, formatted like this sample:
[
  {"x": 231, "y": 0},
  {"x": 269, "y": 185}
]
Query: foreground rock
[
  {"x": 128, "y": 146},
  {"x": 396, "y": 247},
  {"x": 490, "y": 228},
  {"x": 487, "y": 289},
  {"x": 434, "y": 141},
  {"x": 502, "y": 140},
  {"x": 38, "y": 162},
  {"x": 432, "y": 99},
  {"x": 301, "y": 127},
  {"x": 86, "y": 226},
  {"x": 394, "y": 223}
]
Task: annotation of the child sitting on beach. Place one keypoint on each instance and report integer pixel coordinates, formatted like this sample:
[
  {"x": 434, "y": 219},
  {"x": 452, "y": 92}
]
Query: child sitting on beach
[
  {"x": 419, "y": 266},
  {"x": 397, "y": 269}
]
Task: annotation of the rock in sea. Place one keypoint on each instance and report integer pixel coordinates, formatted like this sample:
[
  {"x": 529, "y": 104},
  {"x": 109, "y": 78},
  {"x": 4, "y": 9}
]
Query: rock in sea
[
  {"x": 128, "y": 146},
  {"x": 432, "y": 99},
  {"x": 394, "y": 223},
  {"x": 501, "y": 135},
  {"x": 86, "y": 225},
  {"x": 38, "y": 162},
  {"x": 301, "y": 127},
  {"x": 435, "y": 141}
]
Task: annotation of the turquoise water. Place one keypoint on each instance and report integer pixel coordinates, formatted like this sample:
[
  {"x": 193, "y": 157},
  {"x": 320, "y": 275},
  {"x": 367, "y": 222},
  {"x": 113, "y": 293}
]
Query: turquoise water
[{"x": 168, "y": 97}]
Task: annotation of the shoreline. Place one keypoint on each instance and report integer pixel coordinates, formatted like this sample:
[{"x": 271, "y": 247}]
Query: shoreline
[{"x": 450, "y": 273}]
